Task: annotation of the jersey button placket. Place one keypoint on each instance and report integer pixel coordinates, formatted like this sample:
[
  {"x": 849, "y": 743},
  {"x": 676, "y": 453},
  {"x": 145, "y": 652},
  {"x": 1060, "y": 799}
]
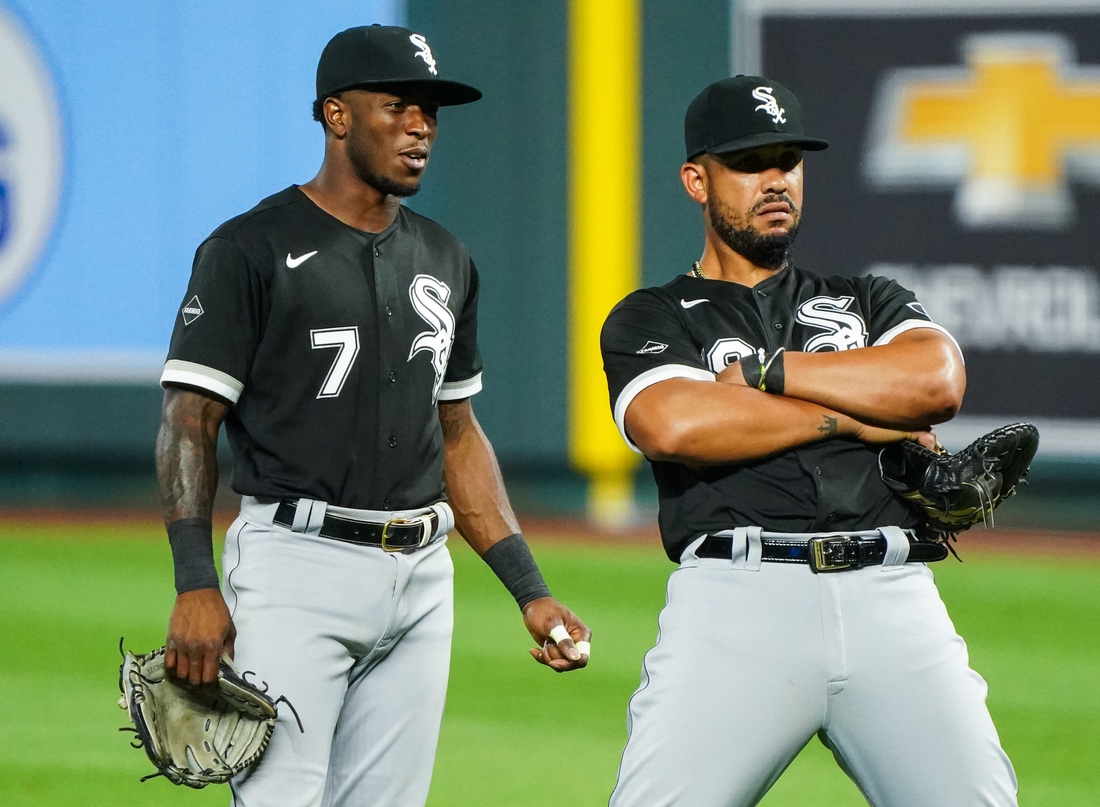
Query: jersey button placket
[
  {"x": 768, "y": 313},
  {"x": 392, "y": 351}
]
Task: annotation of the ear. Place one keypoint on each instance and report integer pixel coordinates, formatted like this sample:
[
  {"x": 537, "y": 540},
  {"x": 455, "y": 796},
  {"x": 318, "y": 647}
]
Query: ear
[
  {"x": 337, "y": 116},
  {"x": 694, "y": 177}
]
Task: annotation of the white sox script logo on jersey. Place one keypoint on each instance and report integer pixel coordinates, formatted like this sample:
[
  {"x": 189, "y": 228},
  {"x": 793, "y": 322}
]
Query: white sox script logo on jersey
[
  {"x": 429, "y": 297},
  {"x": 770, "y": 105},
  {"x": 424, "y": 52},
  {"x": 845, "y": 330}
]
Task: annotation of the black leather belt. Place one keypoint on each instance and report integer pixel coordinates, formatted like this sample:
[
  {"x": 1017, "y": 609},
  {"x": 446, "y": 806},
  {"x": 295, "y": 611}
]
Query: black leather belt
[
  {"x": 827, "y": 553},
  {"x": 394, "y": 535}
]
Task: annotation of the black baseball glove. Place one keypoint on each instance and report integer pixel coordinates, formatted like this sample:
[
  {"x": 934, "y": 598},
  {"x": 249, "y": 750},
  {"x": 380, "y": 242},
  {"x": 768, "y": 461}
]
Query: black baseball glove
[
  {"x": 195, "y": 736},
  {"x": 955, "y": 491}
]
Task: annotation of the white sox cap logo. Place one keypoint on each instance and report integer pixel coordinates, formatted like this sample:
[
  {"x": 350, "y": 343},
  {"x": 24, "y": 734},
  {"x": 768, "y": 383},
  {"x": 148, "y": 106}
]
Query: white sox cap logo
[
  {"x": 770, "y": 105},
  {"x": 424, "y": 52},
  {"x": 429, "y": 297}
]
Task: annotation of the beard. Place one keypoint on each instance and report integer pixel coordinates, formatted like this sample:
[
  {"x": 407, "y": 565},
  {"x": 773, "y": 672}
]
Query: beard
[
  {"x": 391, "y": 186},
  {"x": 767, "y": 251},
  {"x": 359, "y": 155}
]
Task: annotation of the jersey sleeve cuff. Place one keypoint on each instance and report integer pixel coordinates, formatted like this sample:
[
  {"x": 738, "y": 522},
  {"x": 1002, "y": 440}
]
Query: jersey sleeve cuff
[
  {"x": 648, "y": 379},
  {"x": 206, "y": 378},
  {"x": 912, "y": 324},
  {"x": 457, "y": 390}
]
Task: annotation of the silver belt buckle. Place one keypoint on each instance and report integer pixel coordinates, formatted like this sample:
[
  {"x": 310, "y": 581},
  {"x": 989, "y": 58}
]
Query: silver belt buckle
[
  {"x": 818, "y": 555},
  {"x": 425, "y": 522}
]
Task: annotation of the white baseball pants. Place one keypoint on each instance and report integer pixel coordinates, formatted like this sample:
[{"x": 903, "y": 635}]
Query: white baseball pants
[
  {"x": 359, "y": 641},
  {"x": 752, "y": 662}
]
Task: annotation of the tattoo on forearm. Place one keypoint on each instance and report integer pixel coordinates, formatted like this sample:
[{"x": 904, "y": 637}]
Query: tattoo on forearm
[
  {"x": 829, "y": 428},
  {"x": 453, "y": 418},
  {"x": 187, "y": 462},
  {"x": 449, "y": 426}
]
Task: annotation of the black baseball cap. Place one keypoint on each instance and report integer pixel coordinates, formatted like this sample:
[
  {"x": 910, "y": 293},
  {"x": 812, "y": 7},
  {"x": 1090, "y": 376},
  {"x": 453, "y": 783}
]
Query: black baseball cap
[
  {"x": 744, "y": 112},
  {"x": 384, "y": 56}
]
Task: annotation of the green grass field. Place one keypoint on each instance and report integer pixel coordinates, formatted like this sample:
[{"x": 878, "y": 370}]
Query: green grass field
[{"x": 514, "y": 733}]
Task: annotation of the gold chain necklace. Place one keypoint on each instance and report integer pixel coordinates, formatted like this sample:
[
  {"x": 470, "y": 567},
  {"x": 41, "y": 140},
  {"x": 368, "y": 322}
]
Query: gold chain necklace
[{"x": 697, "y": 271}]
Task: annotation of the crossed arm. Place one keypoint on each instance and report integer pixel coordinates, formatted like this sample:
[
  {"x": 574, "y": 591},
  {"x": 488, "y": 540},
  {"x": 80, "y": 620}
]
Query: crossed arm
[{"x": 876, "y": 394}]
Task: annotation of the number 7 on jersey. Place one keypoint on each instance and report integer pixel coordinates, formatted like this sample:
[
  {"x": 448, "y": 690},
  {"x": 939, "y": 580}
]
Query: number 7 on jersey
[{"x": 346, "y": 342}]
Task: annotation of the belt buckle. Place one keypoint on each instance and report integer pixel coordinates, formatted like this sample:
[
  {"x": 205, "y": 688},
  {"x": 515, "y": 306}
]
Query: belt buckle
[
  {"x": 818, "y": 555},
  {"x": 425, "y": 522}
]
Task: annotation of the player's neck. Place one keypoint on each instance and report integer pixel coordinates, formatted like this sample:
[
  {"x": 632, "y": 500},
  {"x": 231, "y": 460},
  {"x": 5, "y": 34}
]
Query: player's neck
[
  {"x": 339, "y": 192},
  {"x": 719, "y": 262}
]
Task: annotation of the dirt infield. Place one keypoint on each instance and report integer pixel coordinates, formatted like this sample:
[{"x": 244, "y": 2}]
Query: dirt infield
[{"x": 569, "y": 530}]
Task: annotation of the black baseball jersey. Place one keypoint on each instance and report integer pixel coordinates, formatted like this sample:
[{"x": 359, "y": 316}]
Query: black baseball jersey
[
  {"x": 694, "y": 328},
  {"x": 334, "y": 346}
]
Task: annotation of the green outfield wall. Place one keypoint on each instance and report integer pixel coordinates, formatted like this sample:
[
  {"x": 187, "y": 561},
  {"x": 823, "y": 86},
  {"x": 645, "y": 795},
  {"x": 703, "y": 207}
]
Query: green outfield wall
[{"x": 500, "y": 185}]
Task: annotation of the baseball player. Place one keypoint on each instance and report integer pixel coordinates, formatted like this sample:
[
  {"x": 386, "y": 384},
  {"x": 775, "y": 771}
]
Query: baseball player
[
  {"x": 761, "y": 393},
  {"x": 333, "y": 331}
]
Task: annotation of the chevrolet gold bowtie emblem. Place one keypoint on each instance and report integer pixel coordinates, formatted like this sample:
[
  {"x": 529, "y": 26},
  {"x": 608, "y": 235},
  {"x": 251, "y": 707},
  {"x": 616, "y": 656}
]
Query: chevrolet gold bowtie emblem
[{"x": 1007, "y": 130}]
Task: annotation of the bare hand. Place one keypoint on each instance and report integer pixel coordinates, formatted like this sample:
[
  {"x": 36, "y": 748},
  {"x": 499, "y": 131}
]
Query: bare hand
[
  {"x": 928, "y": 439},
  {"x": 199, "y": 630},
  {"x": 541, "y": 617}
]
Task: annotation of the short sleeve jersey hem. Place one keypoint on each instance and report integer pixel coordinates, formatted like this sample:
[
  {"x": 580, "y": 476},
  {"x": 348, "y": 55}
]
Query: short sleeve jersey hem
[
  {"x": 647, "y": 379},
  {"x": 190, "y": 374}
]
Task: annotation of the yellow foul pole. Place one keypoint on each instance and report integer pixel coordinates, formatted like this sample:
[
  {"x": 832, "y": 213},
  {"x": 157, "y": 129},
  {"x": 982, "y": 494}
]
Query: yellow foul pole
[{"x": 604, "y": 233}]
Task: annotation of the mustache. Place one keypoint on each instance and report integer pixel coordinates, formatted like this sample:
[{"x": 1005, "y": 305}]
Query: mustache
[{"x": 775, "y": 198}]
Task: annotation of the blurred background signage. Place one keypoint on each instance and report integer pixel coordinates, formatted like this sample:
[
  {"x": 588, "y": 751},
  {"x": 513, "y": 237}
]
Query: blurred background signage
[
  {"x": 965, "y": 163},
  {"x": 30, "y": 154},
  {"x": 168, "y": 119}
]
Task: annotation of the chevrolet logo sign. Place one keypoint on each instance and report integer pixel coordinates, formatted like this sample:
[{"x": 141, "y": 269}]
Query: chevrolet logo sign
[{"x": 1007, "y": 131}]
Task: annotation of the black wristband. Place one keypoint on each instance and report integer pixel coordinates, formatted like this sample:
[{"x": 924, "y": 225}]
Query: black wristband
[
  {"x": 764, "y": 372},
  {"x": 771, "y": 373},
  {"x": 511, "y": 561},
  {"x": 750, "y": 369},
  {"x": 192, "y": 541}
]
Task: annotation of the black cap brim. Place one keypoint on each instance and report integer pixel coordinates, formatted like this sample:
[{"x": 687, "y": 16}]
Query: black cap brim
[
  {"x": 765, "y": 139},
  {"x": 447, "y": 93}
]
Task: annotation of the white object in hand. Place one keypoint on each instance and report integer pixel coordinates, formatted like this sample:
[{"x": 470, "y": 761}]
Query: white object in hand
[{"x": 559, "y": 634}]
